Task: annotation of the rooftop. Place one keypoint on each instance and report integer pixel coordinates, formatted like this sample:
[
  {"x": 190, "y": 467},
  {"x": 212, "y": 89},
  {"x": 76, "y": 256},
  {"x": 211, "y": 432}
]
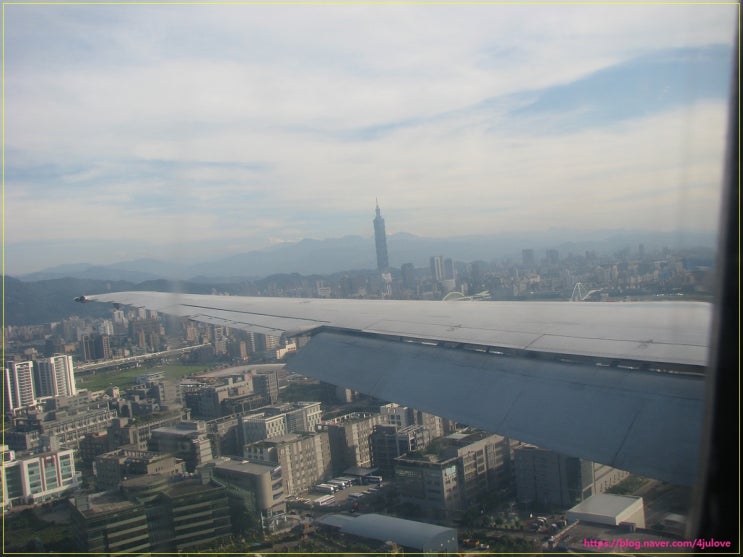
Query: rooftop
[
  {"x": 408, "y": 533},
  {"x": 245, "y": 466},
  {"x": 605, "y": 504}
]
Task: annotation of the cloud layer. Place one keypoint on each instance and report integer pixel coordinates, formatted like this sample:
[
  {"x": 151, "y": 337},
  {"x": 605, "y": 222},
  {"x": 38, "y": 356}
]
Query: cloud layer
[{"x": 192, "y": 131}]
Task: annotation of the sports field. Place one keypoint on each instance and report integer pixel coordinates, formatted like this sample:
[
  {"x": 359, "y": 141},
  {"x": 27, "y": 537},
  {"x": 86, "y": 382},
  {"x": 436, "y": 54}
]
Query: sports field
[{"x": 125, "y": 378}]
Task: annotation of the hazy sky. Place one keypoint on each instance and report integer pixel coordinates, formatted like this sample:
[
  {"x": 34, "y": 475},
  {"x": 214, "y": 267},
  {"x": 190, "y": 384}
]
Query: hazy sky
[{"x": 191, "y": 132}]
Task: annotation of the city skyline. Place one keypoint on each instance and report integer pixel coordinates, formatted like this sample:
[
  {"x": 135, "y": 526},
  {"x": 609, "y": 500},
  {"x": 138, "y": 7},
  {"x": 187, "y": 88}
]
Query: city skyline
[{"x": 179, "y": 132}]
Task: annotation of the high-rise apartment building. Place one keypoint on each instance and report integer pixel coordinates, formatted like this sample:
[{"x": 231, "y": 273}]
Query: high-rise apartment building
[
  {"x": 56, "y": 376},
  {"x": 380, "y": 240},
  {"x": 19, "y": 385}
]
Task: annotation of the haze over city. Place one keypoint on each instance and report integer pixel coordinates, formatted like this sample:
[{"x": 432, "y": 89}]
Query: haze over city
[{"x": 187, "y": 132}]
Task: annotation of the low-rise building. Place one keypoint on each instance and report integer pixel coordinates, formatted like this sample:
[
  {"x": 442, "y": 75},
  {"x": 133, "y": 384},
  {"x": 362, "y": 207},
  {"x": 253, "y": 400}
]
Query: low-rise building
[
  {"x": 613, "y": 510},
  {"x": 113, "y": 467},
  {"x": 37, "y": 478},
  {"x": 137, "y": 431},
  {"x": 107, "y": 523},
  {"x": 381, "y": 530},
  {"x": 149, "y": 515}
]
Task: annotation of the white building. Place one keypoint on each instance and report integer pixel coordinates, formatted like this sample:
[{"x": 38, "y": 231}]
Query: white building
[
  {"x": 19, "y": 385},
  {"x": 56, "y": 376},
  {"x": 410, "y": 535},
  {"x": 37, "y": 478},
  {"x": 609, "y": 509}
]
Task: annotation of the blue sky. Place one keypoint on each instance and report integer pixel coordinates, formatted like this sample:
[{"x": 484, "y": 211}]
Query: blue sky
[{"x": 199, "y": 131}]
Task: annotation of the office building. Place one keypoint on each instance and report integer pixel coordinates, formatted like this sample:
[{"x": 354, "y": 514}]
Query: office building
[
  {"x": 62, "y": 422},
  {"x": 408, "y": 276},
  {"x": 222, "y": 434},
  {"x": 256, "y": 427},
  {"x": 380, "y": 241},
  {"x": 266, "y": 383},
  {"x": 252, "y": 487},
  {"x": 437, "y": 268},
  {"x": 304, "y": 458},
  {"x": 300, "y": 416},
  {"x": 208, "y": 402},
  {"x": 137, "y": 432},
  {"x": 192, "y": 515},
  {"x": 546, "y": 479},
  {"x": 152, "y": 515},
  {"x": 187, "y": 440},
  {"x": 448, "y": 476},
  {"x": 394, "y": 414},
  {"x": 349, "y": 439},
  {"x": 107, "y": 523},
  {"x": 37, "y": 478},
  {"x": 387, "y": 442},
  {"x": 402, "y": 416},
  {"x": 113, "y": 467}
]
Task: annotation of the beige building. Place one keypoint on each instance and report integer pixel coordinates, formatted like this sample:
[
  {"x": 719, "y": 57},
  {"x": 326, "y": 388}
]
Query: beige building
[
  {"x": 349, "y": 439},
  {"x": 257, "y": 488},
  {"x": 447, "y": 477},
  {"x": 304, "y": 458}
]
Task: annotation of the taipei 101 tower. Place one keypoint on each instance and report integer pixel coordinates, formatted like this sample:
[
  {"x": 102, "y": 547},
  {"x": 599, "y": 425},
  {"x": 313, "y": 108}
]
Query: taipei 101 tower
[{"x": 380, "y": 238}]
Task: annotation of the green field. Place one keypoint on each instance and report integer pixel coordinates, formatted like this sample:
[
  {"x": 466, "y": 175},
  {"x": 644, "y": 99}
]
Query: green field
[{"x": 125, "y": 378}]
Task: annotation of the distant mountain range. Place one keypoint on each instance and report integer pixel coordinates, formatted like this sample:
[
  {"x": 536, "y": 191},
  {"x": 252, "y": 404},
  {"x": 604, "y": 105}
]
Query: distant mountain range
[
  {"x": 48, "y": 295},
  {"x": 355, "y": 252}
]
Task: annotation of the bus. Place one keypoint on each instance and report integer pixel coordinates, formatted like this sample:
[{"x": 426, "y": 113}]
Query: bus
[
  {"x": 325, "y": 500},
  {"x": 325, "y": 488}
]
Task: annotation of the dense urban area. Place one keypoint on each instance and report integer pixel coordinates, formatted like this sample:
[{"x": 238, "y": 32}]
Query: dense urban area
[{"x": 139, "y": 433}]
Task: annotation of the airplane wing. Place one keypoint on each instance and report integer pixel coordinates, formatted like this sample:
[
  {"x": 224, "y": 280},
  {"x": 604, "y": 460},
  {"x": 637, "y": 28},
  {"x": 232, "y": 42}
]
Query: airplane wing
[{"x": 621, "y": 384}]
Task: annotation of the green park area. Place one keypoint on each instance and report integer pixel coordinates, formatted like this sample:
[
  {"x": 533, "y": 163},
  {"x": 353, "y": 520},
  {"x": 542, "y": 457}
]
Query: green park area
[{"x": 125, "y": 378}]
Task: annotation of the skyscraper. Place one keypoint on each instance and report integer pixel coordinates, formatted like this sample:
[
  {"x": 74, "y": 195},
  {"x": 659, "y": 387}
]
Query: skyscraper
[
  {"x": 380, "y": 239},
  {"x": 56, "y": 376}
]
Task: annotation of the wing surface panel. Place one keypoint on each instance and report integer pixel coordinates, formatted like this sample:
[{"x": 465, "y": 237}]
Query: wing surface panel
[
  {"x": 675, "y": 332},
  {"x": 608, "y": 415}
]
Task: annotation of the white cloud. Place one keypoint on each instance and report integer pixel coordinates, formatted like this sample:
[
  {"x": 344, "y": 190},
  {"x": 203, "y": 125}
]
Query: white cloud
[{"x": 130, "y": 111}]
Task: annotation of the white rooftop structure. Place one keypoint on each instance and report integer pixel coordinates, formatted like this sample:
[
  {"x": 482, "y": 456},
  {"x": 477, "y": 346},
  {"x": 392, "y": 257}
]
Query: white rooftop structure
[
  {"x": 605, "y": 508},
  {"x": 419, "y": 536}
]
